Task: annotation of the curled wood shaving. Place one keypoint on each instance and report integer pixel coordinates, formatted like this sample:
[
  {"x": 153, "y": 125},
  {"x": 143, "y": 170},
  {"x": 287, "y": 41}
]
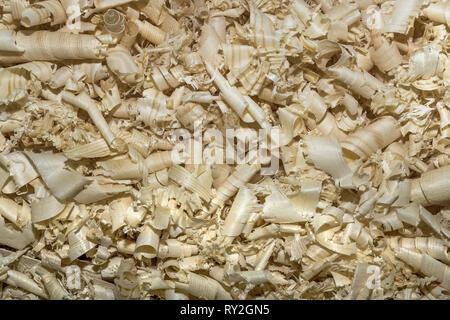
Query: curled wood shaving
[{"x": 347, "y": 198}]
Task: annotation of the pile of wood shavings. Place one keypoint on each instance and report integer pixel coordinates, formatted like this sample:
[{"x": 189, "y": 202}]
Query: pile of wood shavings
[{"x": 359, "y": 208}]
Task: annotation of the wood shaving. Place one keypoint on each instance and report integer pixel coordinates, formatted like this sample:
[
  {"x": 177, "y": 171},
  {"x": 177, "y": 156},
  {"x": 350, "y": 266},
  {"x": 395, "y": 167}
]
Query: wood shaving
[{"x": 335, "y": 184}]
